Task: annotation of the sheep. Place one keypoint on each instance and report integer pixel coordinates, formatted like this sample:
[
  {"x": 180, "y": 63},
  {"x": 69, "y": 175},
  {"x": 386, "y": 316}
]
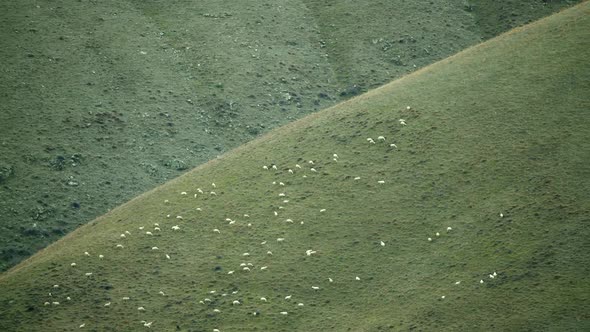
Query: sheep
[
  {"x": 309, "y": 252},
  {"x": 263, "y": 242},
  {"x": 274, "y": 167},
  {"x": 86, "y": 253},
  {"x": 199, "y": 190},
  {"x": 495, "y": 274},
  {"x": 183, "y": 193},
  {"x": 442, "y": 297},
  {"x": 179, "y": 217},
  {"x": 265, "y": 167},
  {"x": 162, "y": 293},
  {"x": 246, "y": 269},
  {"x": 234, "y": 292},
  {"x": 55, "y": 303},
  {"x": 290, "y": 171},
  {"x": 216, "y": 230},
  {"x": 402, "y": 122},
  {"x": 357, "y": 278},
  {"x": 370, "y": 140},
  {"x": 289, "y": 220},
  {"x": 127, "y": 232},
  {"x": 213, "y": 193},
  {"x": 68, "y": 298},
  {"x": 330, "y": 280},
  {"x": 166, "y": 201},
  {"x": 269, "y": 252},
  {"x": 281, "y": 239},
  {"x": 501, "y": 215},
  {"x": 481, "y": 281},
  {"x": 207, "y": 300},
  {"x": 107, "y": 304},
  {"x": 243, "y": 264},
  {"x": 408, "y": 108},
  {"x": 140, "y": 309},
  {"x": 382, "y": 244},
  {"x": 122, "y": 235},
  {"x": 213, "y": 184},
  {"x": 236, "y": 302},
  {"x": 323, "y": 210},
  {"x": 281, "y": 184},
  {"x": 335, "y": 155},
  {"x": 286, "y": 201},
  {"x": 300, "y": 304},
  {"x": 149, "y": 233},
  {"x": 146, "y": 324},
  {"x": 276, "y": 213},
  {"x": 381, "y": 138},
  {"x": 175, "y": 227},
  {"x": 449, "y": 229},
  {"x": 73, "y": 264},
  {"x": 264, "y": 268},
  {"x": 230, "y": 272},
  {"x": 155, "y": 248},
  {"x": 381, "y": 182},
  {"x": 311, "y": 162},
  {"x": 246, "y": 216},
  {"x": 288, "y": 297},
  {"x": 315, "y": 288},
  {"x": 216, "y": 330},
  {"x": 216, "y": 310},
  {"x": 437, "y": 234},
  {"x": 313, "y": 169},
  {"x": 120, "y": 246},
  {"x": 199, "y": 209},
  {"x": 357, "y": 178},
  {"x": 282, "y": 195},
  {"x": 157, "y": 229},
  {"x": 195, "y": 195},
  {"x": 297, "y": 165},
  {"x": 246, "y": 254},
  {"x": 46, "y": 303},
  {"x": 125, "y": 298},
  {"x": 167, "y": 256},
  {"x": 429, "y": 239},
  {"x": 101, "y": 256},
  {"x": 393, "y": 145},
  {"x": 284, "y": 313},
  {"x": 82, "y": 325},
  {"x": 232, "y": 222},
  {"x": 55, "y": 286}
]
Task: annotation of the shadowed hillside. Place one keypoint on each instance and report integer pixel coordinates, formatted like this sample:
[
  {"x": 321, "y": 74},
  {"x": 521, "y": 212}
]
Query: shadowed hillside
[
  {"x": 103, "y": 100},
  {"x": 468, "y": 212}
]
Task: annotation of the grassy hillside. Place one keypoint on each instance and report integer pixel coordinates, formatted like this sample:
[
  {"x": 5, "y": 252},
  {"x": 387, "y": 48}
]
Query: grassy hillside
[
  {"x": 495, "y": 147},
  {"x": 103, "y": 100}
]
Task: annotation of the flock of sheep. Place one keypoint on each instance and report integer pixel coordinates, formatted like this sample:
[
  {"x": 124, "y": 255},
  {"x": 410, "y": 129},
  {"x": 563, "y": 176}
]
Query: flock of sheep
[{"x": 282, "y": 198}]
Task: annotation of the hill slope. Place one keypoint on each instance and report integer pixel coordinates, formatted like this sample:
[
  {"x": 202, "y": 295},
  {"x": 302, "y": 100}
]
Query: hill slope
[
  {"x": 500, "y": 128},
  {"x": 103, "y": 100}
]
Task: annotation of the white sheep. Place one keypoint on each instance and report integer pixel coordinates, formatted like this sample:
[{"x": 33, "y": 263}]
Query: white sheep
[
  {"x": 146, "y": 324},
  {"x": 288, "y": 297},
  {"x": 402, "y": 122},
  {"x": 179, "y": 217},
  {"x": 216, "y": 230},
  {"x": 246, "y": 269},
  {"x": 323, "y": 210},
  {"x": 282, "y": 195},
  {"x": 263, "y": 242},
  {"x": 290, "y": 171},
  {"x": 213, "y": 193},
  {"x": 370, "y": 140},
  {"x": 175, "y": 227},
  {"x": 311, "y": 162},
  {"x": 236, "y": 302},
  {"x": 213, "y": 184},
  {"x": 284, "y": 313},
  {"x": 393, "y": 145},
  {"x": 274, "y": 167},
  {"x": 382, "y": 244},
  {"x": 122, "y": 235},
  {"x": 281, "y": 239},
  {"x": 265, "y": 167},
  {"x": 381, "y": 138},
  {"x": 313, "y": 169},
  {"x": 289, "y": 220},
  {"x": 167, "y": 256},
  {"x": 183, "y": 193},
  {"x": 55, "y": 303},
  {"x": 86, "y": 253},
  {"x": 246, "y": 254},
  {"x": 300, "y": 304},
  {"x": 199, "y": 190},
  {"x": 82, "y": 325},
  {"x": 157, "y": 229},
  {"x": 101, "y": 256},
  {"x": 264, "y": 268},
  {"x": 357, "y": 278},
  {"x": 149, "y": 233},
  {"x": 330, "y": 280},
  {"x": 276, "y": 213},
  {"x": 449, "y": 229},
  {"x": 73, "y": 264},
  {"x": 107, "y": 304},
  {"x": 315, "y": 288},
  {"x": 357, "y": 178},
  {"x": 155, "y": 248},
  {"x": 162, "y": 293},
  {"x": 120, "y": 246},
  {"x": 297, "y": 165},
  {"x": 263, "y": 299},
  {"x": 216, "y": 310},
  {"x": 230, "y": 272},
  {"x": 381, "y": 182},
  {"x": 140, "y": 309},
  {"x": 269, "y": 252},
  {"x": 281, "y": 184}
]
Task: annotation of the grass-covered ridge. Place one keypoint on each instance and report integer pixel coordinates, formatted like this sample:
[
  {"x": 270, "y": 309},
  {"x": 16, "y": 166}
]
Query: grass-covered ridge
[
  {"x": 498, "y": 128},
  {"x": 103, "y": 100}
]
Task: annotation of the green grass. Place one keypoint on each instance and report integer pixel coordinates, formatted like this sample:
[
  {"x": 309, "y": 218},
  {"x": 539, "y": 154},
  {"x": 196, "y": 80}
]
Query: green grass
[
  {"x": 103, "y": 100},
  {"x": 498, "y": 128}
]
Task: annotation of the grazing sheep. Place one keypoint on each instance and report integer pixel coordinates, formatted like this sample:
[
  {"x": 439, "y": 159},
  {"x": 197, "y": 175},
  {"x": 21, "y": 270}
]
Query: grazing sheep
[
  {"x": 274, "y": 167},
  {"x": 236, "y": 302},
  {"x": 157, "y": 229},
  {"x": 449, "y": 229},
  {"x": 213, "y": 184},
  {"x": 264, "y": 268},
  {"x": 281, "y": 239},
  {"x": 216, "y": 310},
  {"x": 311, "y": 162},
  {"x": 357, "y": 278},
  {"x": 370, "y": 140},
  {"x": 284, "y": 313},
  {"x": 175, "y": 227},
  {"x": 183, "y": 193},
  {"x": 269, "y": 252},
  {"x": 73, "y": 264},
  {"x": 330, "y": 280},
  {"x": 382, "y": 244},
  {"x": 357, "y": 178},
  {"x": 86, "y": 253},
  {"x": 179, "y": 217},
  {"x": 381, "y": 182},
  {"x": 216, "y": 230},
  {"x": 230, "y": 272},
  {"x": 281, "y": 184},
  {"x": 265, "y": 167},
  {"x": 162, "y": 293},
  {"x": 263, "y": 242},
  {"x": 481, "y": 281},
  {"x": 402, "y": 122},
  {"x": 290, "y": 171},
  {"x": 313, "y": 169},
  {"x": 155, "y": 248},
  {"x": 246, "y": 269},
  {"x": 107, "y": 304},
  {"x": 126, "y": 298},
  {"x": 437, "y": 234},
  {"x": 55, "y": 303},
  {"x": 282, "y": 195},
  {"x": 82, "y": 325},
  {"x": 167, "y": 256},
  {"x": 276, "y": 213},
  {"x": 288, "y": 297},
  {"x": 246, "y": 254},
  {"x": 429, "y": 239},
  {"x": 457, "y": 282},
  {"x": 213, "y": 193},
  {"x": 149, "y": 233},
  {"x": 199, "y": 190},
  {"x": 315, "y": 288},
  {"x": 309, "y": 252},
  {"x": 289, "y": 220},
  {"x": 297, "y": 165},
  {"x": 393, "y": 145},
  {"x": 381, "y": 138},
  {"x": 140, "y": 309},
  {"x": 146, "y": 324},
  {"x": 323, "y": 210},
  {"x": 122, "y": 235},
  {"x": 442, "y": 297},
  {"x": 120, "y": 246},
  {"x": 101, "y": 256}
]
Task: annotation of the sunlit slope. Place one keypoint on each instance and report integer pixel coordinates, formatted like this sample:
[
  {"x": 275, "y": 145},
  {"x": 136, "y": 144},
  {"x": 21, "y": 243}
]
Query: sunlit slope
[{"x": 495, "y": 147}]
